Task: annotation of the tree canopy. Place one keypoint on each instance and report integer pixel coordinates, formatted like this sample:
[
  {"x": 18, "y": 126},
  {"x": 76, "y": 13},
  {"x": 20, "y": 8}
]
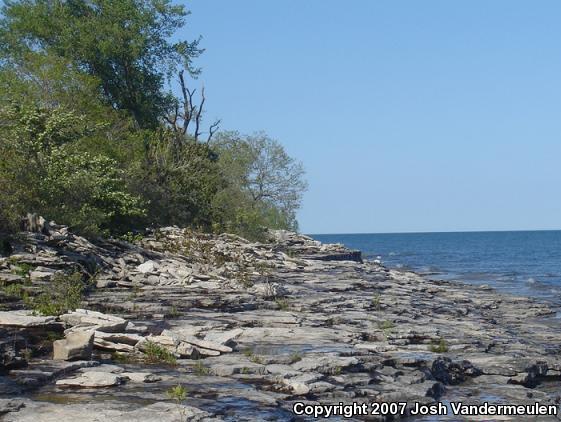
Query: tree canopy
[
  {"x": 125, "y": 44},
  {"x": 92, "y": 137}
]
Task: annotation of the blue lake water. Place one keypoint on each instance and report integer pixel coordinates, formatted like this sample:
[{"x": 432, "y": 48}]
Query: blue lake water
[{"x": 522, "y": 262}]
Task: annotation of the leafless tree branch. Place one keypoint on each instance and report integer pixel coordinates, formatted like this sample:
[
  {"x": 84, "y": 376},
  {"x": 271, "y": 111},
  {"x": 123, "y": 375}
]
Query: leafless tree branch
[{"x": 191, "y": 112}]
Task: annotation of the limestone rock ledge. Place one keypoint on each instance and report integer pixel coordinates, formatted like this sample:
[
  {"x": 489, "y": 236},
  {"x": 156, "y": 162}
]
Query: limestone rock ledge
[{"x": 247, "y": 329}]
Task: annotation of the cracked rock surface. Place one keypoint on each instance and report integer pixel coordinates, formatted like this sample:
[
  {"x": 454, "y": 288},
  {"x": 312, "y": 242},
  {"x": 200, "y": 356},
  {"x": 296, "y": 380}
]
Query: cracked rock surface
[{"x": 251, "y": 328}]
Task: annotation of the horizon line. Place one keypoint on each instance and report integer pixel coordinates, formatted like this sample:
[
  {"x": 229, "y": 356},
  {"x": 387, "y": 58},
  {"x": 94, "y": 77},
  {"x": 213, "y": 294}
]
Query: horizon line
[{"x": 441, "y": 231}]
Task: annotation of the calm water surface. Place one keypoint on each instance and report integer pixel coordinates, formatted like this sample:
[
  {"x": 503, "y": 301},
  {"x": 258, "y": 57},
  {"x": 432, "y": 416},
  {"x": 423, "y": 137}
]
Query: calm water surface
[{"x": 522, "y": 262}]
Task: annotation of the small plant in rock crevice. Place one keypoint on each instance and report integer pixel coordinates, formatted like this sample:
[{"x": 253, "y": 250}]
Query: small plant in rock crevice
[
  {"x": 295, "y": 357},
  {"x": 376, "y": 302},
  {"x": 122, "y": 358},
  {"x": 173, "y": 312},
  {"x": 22, "y": 269},
  {"x": 386, "y": 327},
  {"x": 131, "y": 237},
  {"x": 178, "y": 394},
  {"x": 282, "y": 304},
  {"x": 252, "y": 356},
  {"x": 336, "y": 370},
  {"x": 439, "y": 346},
  {"x": 154, "y": 354},
  {"x": 200, "y": 369},
  {"x": 15, "y": 290}
]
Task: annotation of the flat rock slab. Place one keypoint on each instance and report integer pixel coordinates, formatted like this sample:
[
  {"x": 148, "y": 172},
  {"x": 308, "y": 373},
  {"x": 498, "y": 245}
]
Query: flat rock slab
[
  {"x": 24, "y": 319},
  {"x": 10, "y": 405},
  {"x": 141, "y": 377},
  {"x": 108, "y": 411},
  {"x": 101, "y": 322},
  {"x": 93, "y": 379}
]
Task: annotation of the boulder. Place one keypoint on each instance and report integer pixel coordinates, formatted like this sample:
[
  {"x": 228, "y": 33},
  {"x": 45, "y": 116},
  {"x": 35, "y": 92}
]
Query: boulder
[
  {"x": 41, "y": 274},
  {"x": 126, "y": 338},
  {"x": 77, "y": 345},
  {"x": 270, "y": 290},
  {"x": 35, "y": 223},
  {"x": 147, "y": 267},
  {"x": 452, "y": 373},
  {"x": 99, "y": 343},
  {"x": 326, "y": 363},
  {"x": 300, "y": 384}
]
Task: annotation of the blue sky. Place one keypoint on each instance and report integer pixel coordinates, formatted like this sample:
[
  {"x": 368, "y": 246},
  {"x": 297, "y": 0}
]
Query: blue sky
[{"x": 408, "y": 115}]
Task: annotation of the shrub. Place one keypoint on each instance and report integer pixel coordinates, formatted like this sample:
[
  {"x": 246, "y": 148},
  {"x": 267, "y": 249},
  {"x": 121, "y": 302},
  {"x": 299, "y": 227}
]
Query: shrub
[
  {"x": 15, "y": 290},
  {"x": 177, "y": 393},
  {"x": 178, "y": 181},
  {"x": 64, "y": 293},
  {"x": 154, "y": 353},
  {"x": 44, "y": 170}
]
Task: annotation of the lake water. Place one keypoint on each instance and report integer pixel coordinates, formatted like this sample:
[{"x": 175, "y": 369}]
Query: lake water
[{"x": 521, "y": 262}]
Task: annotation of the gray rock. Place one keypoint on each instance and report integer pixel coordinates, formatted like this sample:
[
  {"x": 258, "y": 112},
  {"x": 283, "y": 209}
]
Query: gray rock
[
  {"x": 10, "y": 405},
  {"x": 225, "y": 338},
  {"x": 24, "y": 319},
  {"x": 141, "y": 377},
  {"x": 300, "y": 385},
  {"x": 35, "y": 223},
  {"x": 93, "y": 379},
  {"x": 147, "y": 267},
  {"x": 101, "y": 322},
  {"x": 76, "y": 345}
]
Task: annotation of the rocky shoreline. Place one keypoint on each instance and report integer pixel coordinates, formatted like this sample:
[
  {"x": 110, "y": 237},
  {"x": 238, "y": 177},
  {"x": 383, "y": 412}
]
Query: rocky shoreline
[{"x": 184, "y": 326}]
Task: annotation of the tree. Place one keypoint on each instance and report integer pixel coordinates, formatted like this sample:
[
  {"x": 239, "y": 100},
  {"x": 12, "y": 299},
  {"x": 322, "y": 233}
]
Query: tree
[
  {"x": 178, "y": 180},
  {"x": 124, "y": 44},
  {"x": 186, "y": 112},
  {"x": 44, "y": 170},
  {"x": 265, "y": 185}
]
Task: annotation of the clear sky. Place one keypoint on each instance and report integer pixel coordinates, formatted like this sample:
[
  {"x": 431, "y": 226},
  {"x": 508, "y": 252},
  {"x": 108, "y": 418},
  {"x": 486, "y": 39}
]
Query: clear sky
[{"x": 408, "y": 115}]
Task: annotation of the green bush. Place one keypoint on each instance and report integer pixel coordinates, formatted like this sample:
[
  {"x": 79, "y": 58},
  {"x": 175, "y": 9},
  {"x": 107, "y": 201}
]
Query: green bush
[
  {"x": 64, "y": 293},
  {"x": 154, "y": 354},
  {"x": 47, "y": 174},
  {"x": 178, "y": 181}
]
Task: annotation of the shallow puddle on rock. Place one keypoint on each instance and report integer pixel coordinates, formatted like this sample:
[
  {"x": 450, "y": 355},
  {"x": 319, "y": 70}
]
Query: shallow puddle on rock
[{"x": 291, "y": 349}]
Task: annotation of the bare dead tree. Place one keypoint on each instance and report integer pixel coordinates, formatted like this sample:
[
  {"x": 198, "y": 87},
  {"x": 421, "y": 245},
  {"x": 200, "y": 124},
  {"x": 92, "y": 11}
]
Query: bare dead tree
[{"x": 186, "y": 111}]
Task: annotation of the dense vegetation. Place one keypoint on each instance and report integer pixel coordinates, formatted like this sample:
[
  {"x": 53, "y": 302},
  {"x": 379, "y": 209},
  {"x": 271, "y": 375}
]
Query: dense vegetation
[{"x": 92, "y": 135}]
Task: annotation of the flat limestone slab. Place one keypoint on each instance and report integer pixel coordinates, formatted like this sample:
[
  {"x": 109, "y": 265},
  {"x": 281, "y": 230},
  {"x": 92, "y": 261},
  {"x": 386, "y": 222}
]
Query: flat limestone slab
[
  {"x": 93, "y": 379},
  {"x": 24, "y": 319}
]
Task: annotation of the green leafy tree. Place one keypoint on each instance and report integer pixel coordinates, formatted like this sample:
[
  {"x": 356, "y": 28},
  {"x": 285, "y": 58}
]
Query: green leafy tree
[
  {"x": 46, "y": 173},
  {"x": 264, "y": 184},
  {"x": 125, "y": 44},
  {"x": 179, "y": 180}
]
